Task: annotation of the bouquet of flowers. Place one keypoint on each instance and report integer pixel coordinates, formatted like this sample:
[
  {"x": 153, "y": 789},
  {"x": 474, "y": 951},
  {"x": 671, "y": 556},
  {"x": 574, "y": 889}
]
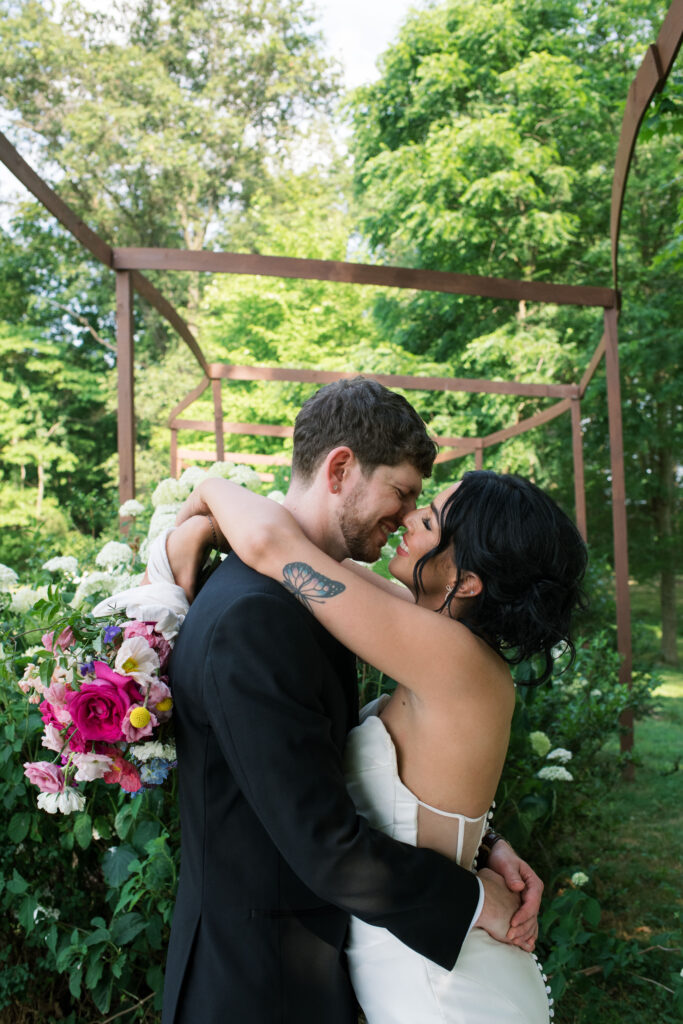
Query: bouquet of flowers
[{"x": 105, "y": 704}]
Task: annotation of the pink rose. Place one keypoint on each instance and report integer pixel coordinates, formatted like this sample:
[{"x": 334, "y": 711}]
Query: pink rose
[
  {"x": 98, "y": 708},
  {"x": 55, "y": 714},
  {"x": 155, "y": 641},
  {"x": 49, "y": 778}
]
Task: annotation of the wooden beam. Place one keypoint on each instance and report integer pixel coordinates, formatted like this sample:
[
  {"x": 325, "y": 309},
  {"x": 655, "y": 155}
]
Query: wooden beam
[
  {"x": 579, "y": 478},
  {"x": 144, "y": 287},
  {"x": 197, "y": 455},
  {"x": 257, "y": 429},
  {"x": 619, "y": 522},
  {"x": 136, "y": 258},
  {"x": 188, "y": 400},
  {"x": 649, "y": 78},
  {"x": 218, "y": 419},
  {"x": 528, "y": 424},
  {"x": 126, "y": 384},
  {"x": 52, "y": 202},
  {"x": 391, "y": 380},
  {"x": 592, "y": 367}
]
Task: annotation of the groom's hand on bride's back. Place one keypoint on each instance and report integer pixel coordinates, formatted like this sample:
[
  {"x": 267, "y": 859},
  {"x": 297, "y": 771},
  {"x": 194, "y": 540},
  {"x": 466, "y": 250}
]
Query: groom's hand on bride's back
[{"x": 500, "y": 904}]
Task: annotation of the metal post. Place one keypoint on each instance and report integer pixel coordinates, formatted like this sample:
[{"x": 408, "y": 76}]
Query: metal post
[
  {"x": 619, "y": 524},
  {"x": 579, "y": 479},
  {"x": 126, "y": 385}
]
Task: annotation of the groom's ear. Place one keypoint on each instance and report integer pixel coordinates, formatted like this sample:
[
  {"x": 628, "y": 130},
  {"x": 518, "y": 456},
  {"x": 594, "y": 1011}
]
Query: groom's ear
[{"x": 337, "y": 466}]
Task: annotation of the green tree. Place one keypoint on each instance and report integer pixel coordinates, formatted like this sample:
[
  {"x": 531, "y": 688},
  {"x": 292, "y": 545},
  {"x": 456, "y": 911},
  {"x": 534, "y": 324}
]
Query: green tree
[{"x": 487, "y": 147}]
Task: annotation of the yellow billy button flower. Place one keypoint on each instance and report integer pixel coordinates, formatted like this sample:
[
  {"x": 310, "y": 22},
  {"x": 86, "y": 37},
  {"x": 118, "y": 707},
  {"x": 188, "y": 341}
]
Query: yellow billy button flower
[
  {"x": 164, "y": 705},
  {"x": 139, "y": 717}
]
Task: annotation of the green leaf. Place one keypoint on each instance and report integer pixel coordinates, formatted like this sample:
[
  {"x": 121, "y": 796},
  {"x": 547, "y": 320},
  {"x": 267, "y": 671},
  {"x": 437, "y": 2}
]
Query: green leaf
[
  {"x": 592, "y": 911},
  {"x": 125, "y": 928},
  {"x": 75, "y": 979},
  {"x": 83, "y": 830},
  {"x": 26, "y": 913},
  {"x": 125, "y": 819},
  {"x": 17, "y": 885},
  {"x": 19, "y": 826},
  {"x": 94, "y": 972},
  {"x": 102, "y": 994},
  {"x": 116, "y": 863}
]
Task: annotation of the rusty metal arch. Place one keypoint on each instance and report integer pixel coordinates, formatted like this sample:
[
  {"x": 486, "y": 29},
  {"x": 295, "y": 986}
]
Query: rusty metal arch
[{"x": 128, "y": 263}]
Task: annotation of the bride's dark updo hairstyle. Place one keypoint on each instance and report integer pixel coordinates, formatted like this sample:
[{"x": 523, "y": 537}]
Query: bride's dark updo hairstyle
[{"x": 529, "y": 556}]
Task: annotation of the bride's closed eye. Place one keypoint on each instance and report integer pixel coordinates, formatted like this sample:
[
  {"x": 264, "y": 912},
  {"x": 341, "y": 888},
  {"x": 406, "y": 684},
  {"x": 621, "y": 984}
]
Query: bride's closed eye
[{"x": 427, "y": 522}]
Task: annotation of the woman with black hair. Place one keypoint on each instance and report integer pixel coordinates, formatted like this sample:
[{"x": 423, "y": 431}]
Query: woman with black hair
[{"x": 492, "y": 572}]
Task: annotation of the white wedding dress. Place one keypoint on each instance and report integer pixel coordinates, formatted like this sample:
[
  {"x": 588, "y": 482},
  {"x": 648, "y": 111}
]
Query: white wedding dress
[{"x": 491, "y": 983}]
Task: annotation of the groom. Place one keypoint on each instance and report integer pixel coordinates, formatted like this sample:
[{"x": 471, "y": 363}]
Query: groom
[{"x": 274, "y": 857}]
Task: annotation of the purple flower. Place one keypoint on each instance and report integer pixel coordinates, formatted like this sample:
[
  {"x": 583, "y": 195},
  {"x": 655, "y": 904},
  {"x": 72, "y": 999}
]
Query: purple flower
[
  {"x": 87, "y": 668},
  {"x": 110, "y": 632}
]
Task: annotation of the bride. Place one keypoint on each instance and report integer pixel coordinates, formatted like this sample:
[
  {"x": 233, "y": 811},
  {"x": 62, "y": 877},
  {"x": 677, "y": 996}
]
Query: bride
[{"x": 491, "y": 573}]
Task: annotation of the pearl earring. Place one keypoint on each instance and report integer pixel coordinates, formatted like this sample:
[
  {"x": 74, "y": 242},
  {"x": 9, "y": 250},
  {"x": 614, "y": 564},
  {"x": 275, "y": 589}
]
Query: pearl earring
[{"x": 335, "y": 487}]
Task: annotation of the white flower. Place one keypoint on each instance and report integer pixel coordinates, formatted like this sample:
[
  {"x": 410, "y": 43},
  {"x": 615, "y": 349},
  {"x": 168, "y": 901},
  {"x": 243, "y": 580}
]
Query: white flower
[
  {"x": 113, "y": 554},
  {"x": 387, "y": 551},
  {"x": 579, "y": 878},
  {"x": 137, "y": 659},
  {"x": 555, "y": 773},
  {"x": 67, "y": 802},
  {"x": 147, "y": 751},
  {"x": 168, "y": 492},
  {"x": 90, "y": 766},
  {"x": 221, "y": 469},
  {"x": 24, "y": 598},
  {"x": 8, "y": 577},
  {"x": 540, "y": 743},
  {"x": 192, "y": 476},
  {"x": 52, "y": 738},
  {"x": 596, "y": 693},
  {"x": 131, "y": 508},
  {"x": 559, "y": 649},
  {"x": 246, "y": 477},
  {"x": 93, "y": 583},
  {"x": 162, "y": 518},
  {"x": 277, "y": 496},
  {"x": 66, "y": 564},
  {"x": 560, "y": 754}
]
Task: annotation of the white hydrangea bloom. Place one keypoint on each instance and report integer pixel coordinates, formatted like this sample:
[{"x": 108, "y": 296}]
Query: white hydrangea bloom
[
  {"x": 114, "y": 553},
  {"x": 388, "y": 551},
  {"x": 560, "y": 754},
  {"x": 221, "y": 469},
  {"x": 596, "y": 693},
  {"x": 147, "y": 751},
  {"x": 555, "y": 773},
  {"x": 579, "y": 878},
  {"x": 163, "y": 517},
  {"x": 24, "y": 598},
  {"x": 540, "y": 743},
  {"x": 192, "y": 476},
  {"x": 65, "y": 563},
  {"x": 277, "y": 496},
  {"x": 246, "y": 477},
  {"x": 8, "y": 577},
  {"x": 168, "y": 492},
  {"x": 131, "y": 508},
  {"x": 93, "y": 583}
]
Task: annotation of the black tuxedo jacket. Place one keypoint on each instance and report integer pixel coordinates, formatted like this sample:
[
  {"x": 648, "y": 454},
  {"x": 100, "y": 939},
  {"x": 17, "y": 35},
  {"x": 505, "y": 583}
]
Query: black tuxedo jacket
[{"x": 274, "y": 857}]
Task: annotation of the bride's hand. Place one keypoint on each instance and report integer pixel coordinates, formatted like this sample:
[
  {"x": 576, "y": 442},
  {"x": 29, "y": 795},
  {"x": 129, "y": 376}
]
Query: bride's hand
[{"x": 499, "y": 905}]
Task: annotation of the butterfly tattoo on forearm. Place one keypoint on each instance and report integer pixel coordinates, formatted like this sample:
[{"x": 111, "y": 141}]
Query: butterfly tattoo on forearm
[{"x": 307, "y": 585}]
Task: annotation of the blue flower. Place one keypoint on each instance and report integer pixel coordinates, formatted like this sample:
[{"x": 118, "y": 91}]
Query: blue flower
[
  {"x": 110, "y": 632},
  {"x": 154, "y": 772},
  {"x": 87, "y": 668}
]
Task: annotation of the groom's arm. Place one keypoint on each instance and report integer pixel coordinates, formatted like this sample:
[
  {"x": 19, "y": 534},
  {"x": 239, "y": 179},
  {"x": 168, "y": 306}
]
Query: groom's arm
[{"x": 265, "y": 692}]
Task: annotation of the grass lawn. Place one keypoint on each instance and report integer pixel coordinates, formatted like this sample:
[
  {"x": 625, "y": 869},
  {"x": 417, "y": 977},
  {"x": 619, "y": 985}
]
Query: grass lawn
[{"x": 634, "y": 850}]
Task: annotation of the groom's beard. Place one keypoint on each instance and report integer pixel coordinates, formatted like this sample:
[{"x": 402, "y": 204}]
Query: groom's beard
[{"x": 356, "y": 529}]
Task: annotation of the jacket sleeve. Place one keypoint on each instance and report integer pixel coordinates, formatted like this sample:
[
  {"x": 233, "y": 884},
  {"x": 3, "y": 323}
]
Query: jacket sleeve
[{"x": 264, "y": 693}]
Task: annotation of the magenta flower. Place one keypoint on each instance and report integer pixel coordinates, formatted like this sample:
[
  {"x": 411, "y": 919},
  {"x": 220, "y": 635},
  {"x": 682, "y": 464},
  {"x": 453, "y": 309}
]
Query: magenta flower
[
  {"x": 49, "y": 778},
  {"x": 98, "y": 708}
]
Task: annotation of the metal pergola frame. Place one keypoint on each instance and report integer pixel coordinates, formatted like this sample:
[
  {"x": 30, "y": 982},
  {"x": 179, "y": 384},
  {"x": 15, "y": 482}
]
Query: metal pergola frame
[{"x": 128, "y": 264}]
